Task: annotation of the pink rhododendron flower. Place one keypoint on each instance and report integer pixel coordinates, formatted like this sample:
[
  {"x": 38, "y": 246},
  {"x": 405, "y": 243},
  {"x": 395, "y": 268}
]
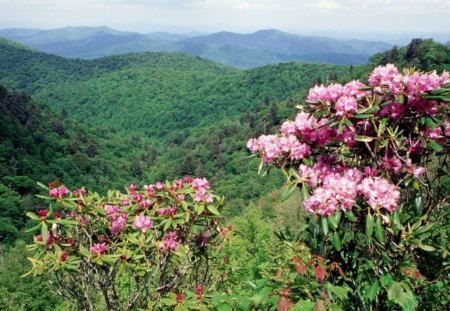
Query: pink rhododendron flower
[
  {"x": 389, "y": 76},
  {"x": 112, "y": 211},
  {"x": 142, "y": 222},
  {"x": 199, "y": 183},
  {"x": 58, "y": 193},
  {"x": 346, "y": 105},
  {"x": 379, "y": 193},
  {"x": 42, "y": 213},
  {"x": 79, "y": 192},
  {"x": 170, "y": 242},
  {"x": 393, "y": 164},
  {"x": 325, "y": 93},
  {"x": 133, "y": 188},
  {"x": 98, "y": 249},
  {"x": 354, "y": 89},
  {"x": 118, "y": 224}
]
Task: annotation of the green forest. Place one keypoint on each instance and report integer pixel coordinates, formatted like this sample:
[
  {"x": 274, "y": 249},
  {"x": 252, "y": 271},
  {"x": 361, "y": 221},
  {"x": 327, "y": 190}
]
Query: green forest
[{"x": 141, "y": 118}]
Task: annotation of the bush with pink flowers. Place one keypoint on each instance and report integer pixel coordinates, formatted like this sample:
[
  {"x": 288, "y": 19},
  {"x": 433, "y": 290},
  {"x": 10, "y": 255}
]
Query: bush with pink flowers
[
  {"x": 130, "y": 248},
  {"x": 370, "y": 162}
]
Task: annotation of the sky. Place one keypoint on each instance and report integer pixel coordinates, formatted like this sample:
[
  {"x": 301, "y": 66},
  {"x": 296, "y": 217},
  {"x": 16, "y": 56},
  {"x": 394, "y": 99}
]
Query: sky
[{"x": 183, "y": 16}]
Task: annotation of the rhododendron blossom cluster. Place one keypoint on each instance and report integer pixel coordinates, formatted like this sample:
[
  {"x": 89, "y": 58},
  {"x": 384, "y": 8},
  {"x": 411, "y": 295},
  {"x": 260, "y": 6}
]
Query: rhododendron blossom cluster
[{"x": 370, "y": 135}]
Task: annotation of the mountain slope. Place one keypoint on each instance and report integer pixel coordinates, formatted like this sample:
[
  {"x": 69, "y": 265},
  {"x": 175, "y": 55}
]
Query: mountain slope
[
  {"x": 239, "y": 50},
  {"x": 155, "y": 92}
]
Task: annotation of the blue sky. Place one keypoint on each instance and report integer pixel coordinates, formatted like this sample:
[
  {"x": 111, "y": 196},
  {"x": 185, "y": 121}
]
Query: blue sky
[{"x": 309, "y": 16}]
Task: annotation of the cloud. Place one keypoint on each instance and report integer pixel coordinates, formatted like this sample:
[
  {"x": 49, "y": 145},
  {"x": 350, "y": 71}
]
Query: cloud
[
  {"x": 328, "y": 5},
  {"x": 244, "y": 5}
]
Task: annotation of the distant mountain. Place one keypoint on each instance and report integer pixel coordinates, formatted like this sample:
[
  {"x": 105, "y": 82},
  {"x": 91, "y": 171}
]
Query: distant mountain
[{"x": 239, "y": 50}]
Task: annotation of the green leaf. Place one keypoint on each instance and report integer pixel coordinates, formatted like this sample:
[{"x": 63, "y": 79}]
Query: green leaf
[
  {"x": 379, "y": 232},
  {"x": 435, "y": 146},
  {"x": 334, "y": 219},
  {"x": 401, "y": 296},
  {"x": 32, "y": 216},
  {"x": 303, "y": 305},
  {"x": 213, "y": 210},
  {"x": 44, "y": 232},
  {"x": 350, "y": 216},
  {"x": 363, "y": 138},
  {"x": 305, "y": 192},
  {"x": 42, "y": 186},
  {"x": 339, "y": 291},
  {"x": 430, "y": 123},
  {"x": 324, "y": 225},
  {"x": 427, "y": 248},
  {"x": 44, "y": 197},
  {"x": 168, "y": 302},
  {"x": 363, "y": 116},
  {"x": 34, "y": 228},
  {"x": 223, "y": 307},
  {"x": 288, "y": 192},
  {"x": 386, "y": 280},
  {"x": 371, "y": 291},
  {"x": 418, "y": 204},
  {"x": 369, "y": 226},
  {"x": 336, "y": 241}
]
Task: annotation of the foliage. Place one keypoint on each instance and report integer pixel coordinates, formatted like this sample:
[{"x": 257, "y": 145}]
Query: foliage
[
  {"x": 354, "y": 152},
  {"x": 129, "y": 248}
]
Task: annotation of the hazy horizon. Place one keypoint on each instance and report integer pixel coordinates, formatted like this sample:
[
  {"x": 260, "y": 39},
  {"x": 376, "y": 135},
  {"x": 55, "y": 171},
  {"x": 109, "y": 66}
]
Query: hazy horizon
[{"x": 370, "y": 19}]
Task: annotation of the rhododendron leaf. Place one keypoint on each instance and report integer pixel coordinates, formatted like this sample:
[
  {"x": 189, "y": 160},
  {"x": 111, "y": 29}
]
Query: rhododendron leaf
[
  {"x": 334, "y": 219},
  {"x": 288, "y": 192},
  {"x": 369, "y": 226},
  {"x": 350, "y": 216},
  {"x": 364, "y": 138},
  {"x": 42, "y": 186},
  {"x": 305, "y": 192},
  {"x": 418, "y": 204},
  {"x": 427, "y": 248},
  {"x": 44, "y": 231},
  {"x": 32, "y": 216},
  {"x": 294, "y": 173},
  {"x": 379, "y": 233},
  {"x": 167, "y": 224},
  {"x": 34, "y": 228},
  {"x": 200, "y": 209},
  {"x": 168, "y": 302},
  {"x": 213, "y": 210},
  {"x": 44, "y": 197},
  {"x": 363, "y": 116},
  {"x": 430, "y": 123},
  {"x": 336, "y": 241},
  {"x": 324, "y": 225},
  {"x": 435, "y": 146},
  {"x": 348, "y": 122}
]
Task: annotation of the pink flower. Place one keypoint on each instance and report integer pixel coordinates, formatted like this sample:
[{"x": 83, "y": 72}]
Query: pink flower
[
  {"x": 354, "y": 89},
  {"x": 198, "y": 183},
  {"x": 58, "y": 193},
  {"x": 64, "y": 256},
  {"x": 142, "y": 222},
  {"x": 133, "y": 188},
  {"x": 346, "y": 105},
  {"x": 145, "y": 203},
  {"x": 150, "y": 190},
  {"x": 170, "y": 242},
  {"x": 393, "y": 164},
  {"x": 118, "y": 224},
  {"x": 389, "y": 76},
  {"x": 112, "y": 211},
  {"x": 42, "y": 213},
  {"x": 79, "y": 192},
  {"x": 379, "y": 193},
  {"x": 160, "y": 186},
  {"x": 98, "y": 248}
]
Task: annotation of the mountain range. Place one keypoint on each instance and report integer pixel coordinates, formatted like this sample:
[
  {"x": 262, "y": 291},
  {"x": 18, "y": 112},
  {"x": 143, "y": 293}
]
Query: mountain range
[{"x": 238, "y": 50}]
